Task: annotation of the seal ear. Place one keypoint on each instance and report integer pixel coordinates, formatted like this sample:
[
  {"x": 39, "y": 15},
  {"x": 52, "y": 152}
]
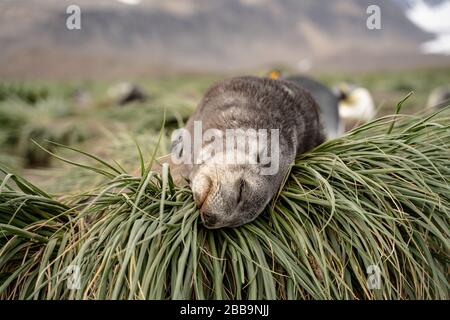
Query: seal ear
[{"x": 177, "y": 144}]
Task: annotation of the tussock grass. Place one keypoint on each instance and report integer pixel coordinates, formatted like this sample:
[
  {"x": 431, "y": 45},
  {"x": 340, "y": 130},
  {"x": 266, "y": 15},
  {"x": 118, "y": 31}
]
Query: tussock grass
[
  {"x": 49, "y": 119},
  {"x": 28, "y": 93},
  {"x": 377, "y": 196}
]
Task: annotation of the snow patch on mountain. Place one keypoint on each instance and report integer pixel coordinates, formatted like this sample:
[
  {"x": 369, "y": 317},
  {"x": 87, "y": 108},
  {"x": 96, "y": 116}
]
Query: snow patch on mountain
[
  {"x": 129, "y": 2},
  {"x": 433, "y": 18}
]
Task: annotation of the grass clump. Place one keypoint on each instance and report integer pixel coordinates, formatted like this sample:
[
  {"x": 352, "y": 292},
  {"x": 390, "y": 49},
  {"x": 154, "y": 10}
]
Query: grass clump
[
  {"x": 378, "y": 196},
  {"x": 50, "y": 119},
  {"x": 25, "y": 92}
]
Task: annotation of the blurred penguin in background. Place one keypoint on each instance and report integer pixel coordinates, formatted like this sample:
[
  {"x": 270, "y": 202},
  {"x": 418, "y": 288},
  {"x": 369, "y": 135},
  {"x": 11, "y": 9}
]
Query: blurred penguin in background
[
  {"x": 356, "y": 104},
  {"x": 325, "y": 98},
  {"x": 124, "y": 93},
  {"x": 439, "y": 97}
]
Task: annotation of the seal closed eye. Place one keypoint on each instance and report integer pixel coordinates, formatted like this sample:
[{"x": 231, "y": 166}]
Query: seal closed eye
[
  {"x": 230, "y": 194},
  {"x": 241, "y": 190}
]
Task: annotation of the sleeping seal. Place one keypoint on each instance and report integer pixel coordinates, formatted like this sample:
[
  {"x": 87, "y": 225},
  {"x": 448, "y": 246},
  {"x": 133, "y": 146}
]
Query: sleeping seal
[{"x": 277, "y": 121}]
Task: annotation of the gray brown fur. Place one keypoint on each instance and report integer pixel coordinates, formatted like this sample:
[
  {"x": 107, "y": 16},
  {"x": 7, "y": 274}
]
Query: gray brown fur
[{"x": 231, "y": 195}]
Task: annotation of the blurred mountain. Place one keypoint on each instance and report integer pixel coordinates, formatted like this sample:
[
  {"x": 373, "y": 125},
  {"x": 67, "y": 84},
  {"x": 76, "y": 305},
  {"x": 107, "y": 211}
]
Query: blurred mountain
[{"x": 131, "y": 37}]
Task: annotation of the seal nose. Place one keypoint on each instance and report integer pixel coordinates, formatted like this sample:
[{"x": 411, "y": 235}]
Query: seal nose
[
  {"x": 209, "y": 220},
  {"x": 201, "y": 189}
]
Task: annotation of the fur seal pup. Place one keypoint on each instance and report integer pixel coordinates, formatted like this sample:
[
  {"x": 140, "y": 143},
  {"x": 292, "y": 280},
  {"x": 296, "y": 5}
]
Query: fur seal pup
[{"x": 231, "y": 193}]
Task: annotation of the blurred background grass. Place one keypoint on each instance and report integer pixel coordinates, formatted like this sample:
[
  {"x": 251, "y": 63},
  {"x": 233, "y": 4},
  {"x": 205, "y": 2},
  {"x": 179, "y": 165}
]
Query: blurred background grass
[
  {"x": 83, "y": 114},
  {"x": 56, "y": 83}
]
